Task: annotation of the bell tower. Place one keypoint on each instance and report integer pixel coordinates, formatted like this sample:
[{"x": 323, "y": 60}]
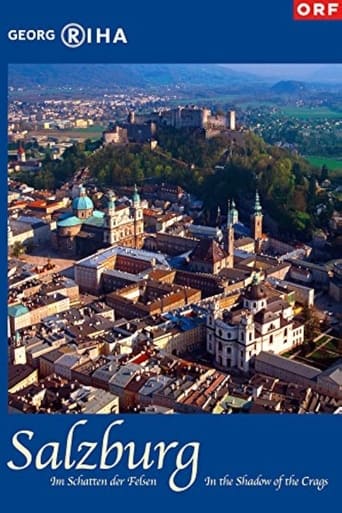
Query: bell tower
[
  {"x": 256, "y": 221},
  {"x": 18, "y": 351},
  {"x": 218, "y": 217},
  {"x": 110, "y": 221},
  {"x": 21, "y": 155},
  {"x": 138, "y": 219},
  {"x": 230, "y": 238}
]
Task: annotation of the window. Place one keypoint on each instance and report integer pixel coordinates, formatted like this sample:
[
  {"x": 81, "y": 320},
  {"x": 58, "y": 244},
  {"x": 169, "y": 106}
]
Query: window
[
  {"x": 228, "y": 350},
  {"x": 210, "y": 336},
  {"x": 241, "y": 353},
  {"x": 254, "y": 304},
  {"x": 250, "y": 336},
  {"x": 285, "y": 332},
  {"x": 219, "y": 346},
  {"x": 271, "y": 339},
  {"x": 229, "y": 335},
  {"x": 241, "y": 336},
  {"x": 220, "y": 333}
]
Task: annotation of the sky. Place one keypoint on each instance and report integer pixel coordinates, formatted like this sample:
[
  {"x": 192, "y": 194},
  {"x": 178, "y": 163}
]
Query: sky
[{"x": 328, "y": 72}]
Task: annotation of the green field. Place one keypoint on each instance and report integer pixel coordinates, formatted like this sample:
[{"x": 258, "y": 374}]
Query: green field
[
  {"x": 91, "y": 132},
  {"x": 93, "y": 129},
  {"x": 333, "y": 164},
  {"x": 311, "y": 113}
]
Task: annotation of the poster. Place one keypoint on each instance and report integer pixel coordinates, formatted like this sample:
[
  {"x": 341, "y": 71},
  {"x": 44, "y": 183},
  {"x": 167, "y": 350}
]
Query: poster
[{"x": 120, "y": 122}]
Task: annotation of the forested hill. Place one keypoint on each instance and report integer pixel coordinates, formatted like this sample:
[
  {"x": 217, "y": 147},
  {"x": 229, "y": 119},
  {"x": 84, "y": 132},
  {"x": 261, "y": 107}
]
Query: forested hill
[
  {"x": 286, "y": 182},
  {"x": 104, "y": 76}
]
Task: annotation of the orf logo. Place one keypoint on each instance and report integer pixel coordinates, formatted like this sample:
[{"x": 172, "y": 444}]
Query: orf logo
[{"x": 315, "y": 10}]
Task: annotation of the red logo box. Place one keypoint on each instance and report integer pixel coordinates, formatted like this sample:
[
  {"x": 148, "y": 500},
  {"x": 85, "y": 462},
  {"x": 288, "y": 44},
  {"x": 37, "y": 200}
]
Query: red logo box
[{"x": 317, "y": 10}]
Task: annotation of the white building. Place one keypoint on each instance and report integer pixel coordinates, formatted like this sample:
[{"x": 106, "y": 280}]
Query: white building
[{"x": 263, "y": 322}]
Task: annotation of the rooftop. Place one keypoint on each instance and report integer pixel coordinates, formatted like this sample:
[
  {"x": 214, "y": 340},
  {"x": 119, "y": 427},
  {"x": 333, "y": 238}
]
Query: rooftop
[
  {"x": 301, "y": 369},
  {"x": 208, "y": 251},
  {"x": 100, "y": 258}
]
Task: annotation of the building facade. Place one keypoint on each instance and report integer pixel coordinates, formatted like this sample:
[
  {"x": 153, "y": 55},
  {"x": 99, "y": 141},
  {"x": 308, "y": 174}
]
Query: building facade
[
  {"x": 86, "y": 230},
  {"x": 259, "y": 323}
]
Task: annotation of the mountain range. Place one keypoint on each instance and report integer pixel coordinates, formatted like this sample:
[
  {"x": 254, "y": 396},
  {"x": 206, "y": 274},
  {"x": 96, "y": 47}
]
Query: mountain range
[
  {"x": 190, "y": 77},
  {"x": 121, "y": 75}
]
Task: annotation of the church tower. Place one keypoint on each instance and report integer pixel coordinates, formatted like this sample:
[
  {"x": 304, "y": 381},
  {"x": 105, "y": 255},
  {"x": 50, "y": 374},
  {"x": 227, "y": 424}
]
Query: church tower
[
  {"x": 234, "y": 214},
  {"x": 218, "y": 217},
  {"x": 256, "y": 221},
  {"x": 137, "y": 212},
  {"x": 21, "y": 155},
  {"x": 109, "y": 222},
  {"x": 230, "y": 239},
  {"x": 18, "y": 350}
]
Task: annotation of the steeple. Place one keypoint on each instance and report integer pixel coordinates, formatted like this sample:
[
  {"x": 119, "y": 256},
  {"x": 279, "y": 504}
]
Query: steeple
[
  {"x": 111, "y": 203},
  {"x": 136, "y": 197},
  {"x": 17, "y": 338},
  {"x": 18, "y": 350},
  {"x": 21, "y": 155},
  {"x": 228, "y": 214},
  {"x": 233, "y": 214},
  {"x": 218, "y": 217},
  {"x": 109, "y": 220},
  {"x": 138, "y": 216},
  {"x": 257, "y": 205},
  {"x": 230, "y": 238},
  {"x": 256, "y": 222}
]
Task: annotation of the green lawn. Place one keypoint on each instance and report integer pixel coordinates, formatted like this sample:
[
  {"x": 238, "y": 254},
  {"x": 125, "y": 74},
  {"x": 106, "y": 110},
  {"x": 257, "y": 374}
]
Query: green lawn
[
  {"x": 92, "y": 128},
  {"x": 335, "y": 345},
  {"x": 322, "y": 339},
  {"x": 290, "y": 352},
  {"x": 333, "y": 164},
  {"x": 311, "y": 113},
  {"x": 324, "y": 356}
]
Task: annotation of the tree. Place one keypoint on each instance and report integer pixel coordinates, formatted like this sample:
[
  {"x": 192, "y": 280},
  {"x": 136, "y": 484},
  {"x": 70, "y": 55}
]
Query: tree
[
  {"x": 324, "y": 173},
  {"x": 312, "y": 191},
  {"x": 312, "y": 326},
  {"x": 18, "y": 249}
]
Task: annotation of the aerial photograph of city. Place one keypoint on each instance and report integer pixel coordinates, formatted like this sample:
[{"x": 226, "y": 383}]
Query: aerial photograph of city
[{"x": 174, "y": 238}]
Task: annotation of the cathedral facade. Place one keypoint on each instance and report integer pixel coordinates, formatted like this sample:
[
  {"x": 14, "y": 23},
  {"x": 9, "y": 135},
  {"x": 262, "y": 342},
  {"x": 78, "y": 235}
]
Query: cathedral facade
[{"x": 84, "y": 230}]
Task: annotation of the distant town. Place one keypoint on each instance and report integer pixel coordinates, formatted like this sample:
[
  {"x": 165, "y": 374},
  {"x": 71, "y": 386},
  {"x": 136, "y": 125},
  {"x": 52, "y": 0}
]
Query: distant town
[{"x": 164, "y": 259}]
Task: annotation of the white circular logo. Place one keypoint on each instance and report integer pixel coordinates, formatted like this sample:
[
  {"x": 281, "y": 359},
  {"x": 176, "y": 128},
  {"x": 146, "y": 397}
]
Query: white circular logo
[{"x": 73, "y": 35}]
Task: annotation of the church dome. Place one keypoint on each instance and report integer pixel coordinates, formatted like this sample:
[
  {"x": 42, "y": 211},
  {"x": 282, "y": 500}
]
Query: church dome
[
  {"x": 82, "y": 202},
  {"x": 68, "y": 222},
  {"x": 136, "y": 196}
]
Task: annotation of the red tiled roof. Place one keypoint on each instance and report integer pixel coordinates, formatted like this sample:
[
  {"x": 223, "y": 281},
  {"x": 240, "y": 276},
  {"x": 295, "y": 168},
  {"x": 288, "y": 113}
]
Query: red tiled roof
[{"x": 208, "y": 251}]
